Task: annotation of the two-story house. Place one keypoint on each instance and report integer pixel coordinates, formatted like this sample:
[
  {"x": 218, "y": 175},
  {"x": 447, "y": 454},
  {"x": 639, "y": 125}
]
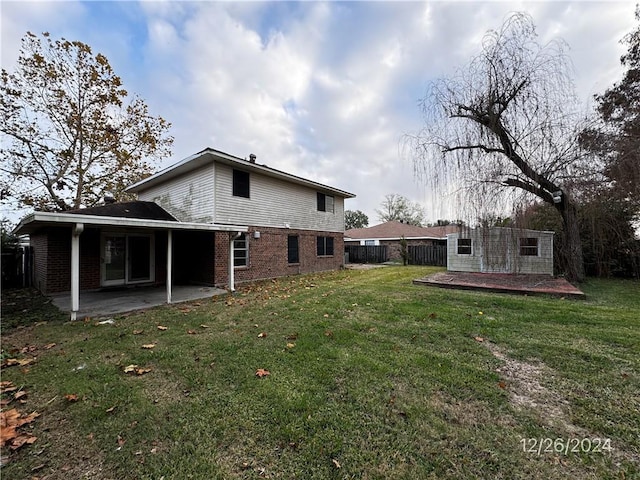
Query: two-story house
[{"x": 210, "y": 219}]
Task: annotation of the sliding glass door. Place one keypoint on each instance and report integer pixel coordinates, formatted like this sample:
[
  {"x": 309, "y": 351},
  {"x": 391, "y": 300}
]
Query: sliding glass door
[{"x": 126, "y": 259}]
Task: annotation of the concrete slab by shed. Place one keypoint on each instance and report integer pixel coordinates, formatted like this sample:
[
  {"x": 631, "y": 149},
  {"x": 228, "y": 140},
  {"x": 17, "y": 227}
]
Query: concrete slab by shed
[{"x": 503, "y": 283}]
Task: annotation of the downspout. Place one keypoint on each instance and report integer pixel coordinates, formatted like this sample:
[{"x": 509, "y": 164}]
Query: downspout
[
  {"x": 76, "y": 231},
  {"x": 232, "y": 236}
]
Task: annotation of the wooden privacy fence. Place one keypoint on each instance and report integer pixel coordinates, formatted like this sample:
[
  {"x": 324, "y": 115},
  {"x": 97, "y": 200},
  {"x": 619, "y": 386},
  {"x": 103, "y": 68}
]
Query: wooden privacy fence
[
  {"x": 366, "y": 253},
  {"x": 434, "y": 255}
]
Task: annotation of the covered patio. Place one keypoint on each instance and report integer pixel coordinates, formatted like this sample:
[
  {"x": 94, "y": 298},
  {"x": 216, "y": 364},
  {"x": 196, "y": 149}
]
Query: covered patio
[
  {"x": 134, "y": 244},
  {"x": 109, "y": 302}
]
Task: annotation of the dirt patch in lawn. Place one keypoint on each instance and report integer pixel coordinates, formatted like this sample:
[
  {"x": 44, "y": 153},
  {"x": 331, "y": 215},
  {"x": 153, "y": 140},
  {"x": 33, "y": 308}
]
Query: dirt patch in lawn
[{"x": 523, "y": 381}]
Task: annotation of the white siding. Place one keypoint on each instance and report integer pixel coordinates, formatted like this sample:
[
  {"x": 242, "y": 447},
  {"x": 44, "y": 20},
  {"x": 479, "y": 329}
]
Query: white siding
[
  {"x": 189, "y": 198},
  {"x": 497, "y": 250},
  {"x": 273, "y": 203}
]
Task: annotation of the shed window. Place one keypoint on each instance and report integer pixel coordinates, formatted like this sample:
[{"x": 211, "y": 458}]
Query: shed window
[
  {"x": 240, "y": 183},
  {"x": 324, "y": 246},
  {"x": 241, "y": 251},
  {"x": 464, "y": 246},
  {"x": 325, "y": 203},
  {"x": 293, "y": 252},
  {"x": 529, "y": 247}
]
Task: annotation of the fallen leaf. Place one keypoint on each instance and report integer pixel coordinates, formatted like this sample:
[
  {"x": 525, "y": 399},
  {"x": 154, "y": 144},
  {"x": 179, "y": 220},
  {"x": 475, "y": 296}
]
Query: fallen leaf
[
  {"x": 262, "y": 334},
  {"x": 502, "y": 385},
  {"x": 21, "y": 440},
  {"x": 121, "y": 441},
  {"x": 148, "y": 346},
  {"x": 478, "y": 339},
  {"x": 336, "y": 463},
  {"x": 433, "y": 315},
  {"x": 261, "y": 372},
  {"x": 326, "y": 315},
  {"x": 11, "y": 362},
  {"x": 136, "y": 369},
  {"x": 191, "y": 332},
  {"x": 328, "y": 333},
  {"x": 7, "y": 386},
  {"x": 161, "y": 327},
  {"x": 291, "y": 345},
  {"x": 109, "y": 410},
  {"x": 71, "y": 397},
  {"x": 49, "y": 346},
  {"x": 20, "y": 394},
  {"x": 204, "y": 326},
  {"x": 480, "y": 313},
  {"x": 138, "y": 332}
]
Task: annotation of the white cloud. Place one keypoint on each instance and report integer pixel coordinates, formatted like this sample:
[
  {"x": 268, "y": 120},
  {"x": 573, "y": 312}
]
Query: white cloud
[{"x": 322, "y": 90}]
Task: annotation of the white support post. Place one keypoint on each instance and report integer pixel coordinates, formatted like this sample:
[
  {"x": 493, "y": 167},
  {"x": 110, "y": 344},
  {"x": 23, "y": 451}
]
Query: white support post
[
  {"x": 169, "y": 264},
  {"x": 232, "y": 285},
  {"x": 77, "y": 230}
]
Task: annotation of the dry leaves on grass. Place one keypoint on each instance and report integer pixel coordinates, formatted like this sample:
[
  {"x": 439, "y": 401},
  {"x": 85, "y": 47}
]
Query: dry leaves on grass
[
  {"x": 162, "y": 327},
  {"x": 10, "y": 422},
  {"x": 12, "y": 362},
  {"x": 149, "y": 346},
  {"x": 12, "y": 392},
  {"x": 135, "y": 369},
  {"x": 71, "y": 397},
  {"x": 261, "y": 372}
]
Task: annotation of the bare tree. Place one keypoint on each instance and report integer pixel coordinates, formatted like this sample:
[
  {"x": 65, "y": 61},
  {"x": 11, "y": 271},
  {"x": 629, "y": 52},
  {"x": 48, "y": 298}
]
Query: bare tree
[
  {"x": 506, "y": 123},
  {"x": 397, "y": 208}
]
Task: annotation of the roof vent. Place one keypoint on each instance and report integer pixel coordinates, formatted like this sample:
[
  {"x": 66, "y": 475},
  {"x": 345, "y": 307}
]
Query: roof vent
[{"x": 252, "y": 158}]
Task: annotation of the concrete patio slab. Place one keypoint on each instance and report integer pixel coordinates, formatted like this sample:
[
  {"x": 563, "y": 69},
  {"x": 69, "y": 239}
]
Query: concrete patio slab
[
  {"x": 503, "y": 283},
  {"x": 110, "y": 302}
]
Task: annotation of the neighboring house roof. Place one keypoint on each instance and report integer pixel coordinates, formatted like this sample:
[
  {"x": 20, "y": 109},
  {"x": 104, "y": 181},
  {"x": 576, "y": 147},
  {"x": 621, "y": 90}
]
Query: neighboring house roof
[
  {"x": 134, "y": 209},
  {"x": 209, "y": 155},
  {"x": 395, "y": 230}
]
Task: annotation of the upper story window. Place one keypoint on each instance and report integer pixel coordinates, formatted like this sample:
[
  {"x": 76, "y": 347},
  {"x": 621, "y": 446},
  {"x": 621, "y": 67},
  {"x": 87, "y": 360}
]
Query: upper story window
[
  {"x": 240, "y": 183},
  {"x": 325, "y": 203},
  {"x": 529, "y": 247},
  {"x": 241, "y": 251},
  {"x": 464, "y": 246}
]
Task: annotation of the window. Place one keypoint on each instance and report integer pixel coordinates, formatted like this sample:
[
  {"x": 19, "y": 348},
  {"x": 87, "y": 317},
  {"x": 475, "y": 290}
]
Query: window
[
  {"x": 529, "y": 247},
  {"x": 241, "y": 251},
  {"x": 464, "y": 246},
  {"x": 325, "y": 203},
  {"x": 370, "y": 243},
  {"x": 293, "y": 253},
  {"x": 240, "y": 183},
  {"x": 325, "y": 246}
]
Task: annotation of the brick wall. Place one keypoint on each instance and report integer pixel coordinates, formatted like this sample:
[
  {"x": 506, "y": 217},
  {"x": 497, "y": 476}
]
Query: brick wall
[{"x": 268, "y": 254}]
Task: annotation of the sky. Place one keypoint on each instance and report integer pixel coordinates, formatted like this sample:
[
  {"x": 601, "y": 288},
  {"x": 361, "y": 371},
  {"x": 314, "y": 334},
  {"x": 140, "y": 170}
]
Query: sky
[{"x": 323, "y": 90}]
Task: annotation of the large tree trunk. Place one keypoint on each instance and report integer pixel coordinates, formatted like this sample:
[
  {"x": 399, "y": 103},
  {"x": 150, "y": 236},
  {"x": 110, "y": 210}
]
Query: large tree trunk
[{"x": 572, "y": 246}]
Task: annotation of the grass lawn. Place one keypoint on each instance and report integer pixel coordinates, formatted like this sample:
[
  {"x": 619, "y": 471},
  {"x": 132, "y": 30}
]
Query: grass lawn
[{"x": 369, "y": 377}]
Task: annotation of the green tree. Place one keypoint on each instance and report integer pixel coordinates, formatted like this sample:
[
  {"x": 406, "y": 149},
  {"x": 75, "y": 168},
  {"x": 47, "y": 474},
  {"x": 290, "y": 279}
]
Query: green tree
[
  {"x": 70, "y": 132},
  {"x": 615, "y": 137},
  {"x": 506, "y": 124},
  {"x": 355, "y": 219},
  {"x": 397, "y": 208}
]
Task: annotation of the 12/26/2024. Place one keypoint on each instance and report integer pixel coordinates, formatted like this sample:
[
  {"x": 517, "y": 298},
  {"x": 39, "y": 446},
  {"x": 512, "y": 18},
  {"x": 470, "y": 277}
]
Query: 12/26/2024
[{"x": 566, "y": 446}]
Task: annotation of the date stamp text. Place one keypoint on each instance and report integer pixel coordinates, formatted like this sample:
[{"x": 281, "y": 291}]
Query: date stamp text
[{"x": 566, "y": 446}]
